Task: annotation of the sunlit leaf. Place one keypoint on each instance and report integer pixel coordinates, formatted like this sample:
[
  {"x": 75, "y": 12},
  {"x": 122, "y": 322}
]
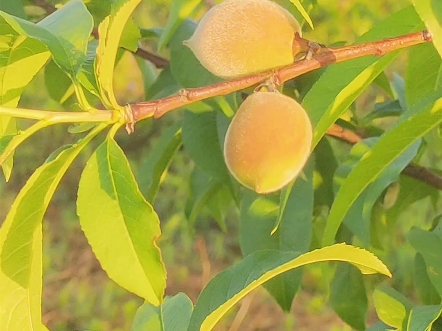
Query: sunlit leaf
[
  {"x": 21, "y": 242},
  {"x": 430, "y": 12},
  {"x": 391, "y": 307},
  {"x": 110, "y": 31},
  {"x": 124, "y": 241},
  {"x": 231, "y": 285}
]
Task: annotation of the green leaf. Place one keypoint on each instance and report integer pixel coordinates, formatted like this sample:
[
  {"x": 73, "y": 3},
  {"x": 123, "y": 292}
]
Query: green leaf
[
  {"x": 158, "y": 160},
  {"x": 430, "y": 12},
  {"x": 57, "y": 83},
  {"x": 429, "y": 244},
  {"x": 424, "y": 69},
  {"x": 110, "y": 31},
  {"x": 348, "y": 297},
  {"x": 258, "y": 217},
  {"x": 13, "y": 7},
  {"x": 329, "y": 97},
  {"x": 172, "y": 315},
  {"x": 422, "y": 317},
  {"x": 411, "y": 190},
  {"x": 379, "y": 326},
  {"x": 20, "y": 59},
  {"x": 391, "y": 145},
  {"x": 392, "y": 307},
  {"x": 180, "y": 11},
  {"x": 424, "y": 288},
  {"x": 201, "y": 141},
  {"x": 304, "y": 14},
  {"x": 326, "y": 165},
  {"x": 231, "y": 285},
  {"x": 120, "y": 225},
  {"x": 358, "y": 217},
  {"x": 21, "y": 241},
  {"x": 185, "y": 67},
  {"x": 203, "y": 189}
]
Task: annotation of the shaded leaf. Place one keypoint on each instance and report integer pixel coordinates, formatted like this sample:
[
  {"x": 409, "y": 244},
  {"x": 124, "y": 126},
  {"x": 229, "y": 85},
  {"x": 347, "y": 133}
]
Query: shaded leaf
[
  {"x": 158, "y": 161},
  {"x": 422, "y": 317},
  {"x": 420, "y": 119},
  {"x": 348, "y": 297},
  {"x": 429, "y": 244},
  {"x": 179, "y": 12},
  {"x": 259, "y": 214},
  {"x": 172, "y": 315}
]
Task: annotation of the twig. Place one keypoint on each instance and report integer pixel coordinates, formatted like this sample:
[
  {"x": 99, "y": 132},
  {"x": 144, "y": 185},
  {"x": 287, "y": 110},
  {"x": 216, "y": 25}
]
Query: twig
[
  {"x": 325, "y": 57},
  {"x": 156, "y": 60}
]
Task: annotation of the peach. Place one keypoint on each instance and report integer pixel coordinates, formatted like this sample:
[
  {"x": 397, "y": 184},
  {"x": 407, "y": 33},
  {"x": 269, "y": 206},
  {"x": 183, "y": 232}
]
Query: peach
[
  {"x": 240, "y": 37},
  {"x": 268, "y": 141}
]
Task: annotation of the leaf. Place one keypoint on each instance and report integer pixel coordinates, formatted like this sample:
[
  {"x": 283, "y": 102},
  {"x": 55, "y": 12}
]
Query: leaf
[
  {"x": 203, "y": 189},
  {"x": 304, "y": 14},
  {"x": 391, "y": 307},
  {"x": 348, "y": 297},
  {"x": 326, "y": 165},
  {"x": 358, "y": 217},
  {"x": 430, "y": 12},
  {"x": 172, "y": 315},
  {"x": 20, "y": 59},
  {"x": 424, "y": 288},
  {"x": 158, "y": 160},
  {"x": 422, "y": 317},
  {"x": 429, "y": 244},
  {"x": 201, "y": 141},
  {"x": 354, "y": 76},
  {"x": 13, "y": 7},
  {"x": 258, "y": 217},
  {"x": 120, "y": 225},
  {"x": 411, "y": 190},
  {"x": 379, "y": 326},
  {"x": 110, "y": 31},
  {"x": 21, "y": 241},
  {"x": 179, "y": 12},
  {"x": 423, "y": 75},
  {"x": 423, "y": 117},
  {"x": 185, "y": 67},
  {"x": 57, "y": 83},
  {"x": 231, "y": 285}
]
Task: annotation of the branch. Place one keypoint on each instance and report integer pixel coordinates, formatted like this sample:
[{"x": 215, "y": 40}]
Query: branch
[
  {"x": 323, "y": 58},
  {"x": 156, "y": 60}
]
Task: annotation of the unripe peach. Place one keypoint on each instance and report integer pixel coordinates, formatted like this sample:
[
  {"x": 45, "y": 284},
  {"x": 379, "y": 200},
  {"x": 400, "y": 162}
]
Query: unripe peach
[
  {"x": 241, "y": 37},
  {"x": 268, "y": 141}
]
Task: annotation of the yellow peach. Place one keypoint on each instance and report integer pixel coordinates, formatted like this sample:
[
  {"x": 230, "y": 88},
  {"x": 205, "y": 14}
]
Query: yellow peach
[
  {"x": 241, "y": 37},
  {"x": 268, "y": 141}
]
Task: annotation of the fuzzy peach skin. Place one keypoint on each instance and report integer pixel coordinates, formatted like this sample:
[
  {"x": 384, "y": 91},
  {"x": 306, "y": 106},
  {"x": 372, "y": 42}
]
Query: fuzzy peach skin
[
  {"x": 268, "y": 141},
  {"x": 241, "y": 37}
]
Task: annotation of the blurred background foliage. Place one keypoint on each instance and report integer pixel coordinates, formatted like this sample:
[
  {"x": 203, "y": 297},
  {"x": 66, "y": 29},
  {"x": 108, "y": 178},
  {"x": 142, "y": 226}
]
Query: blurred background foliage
[{"x": 77, "y": 293}]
